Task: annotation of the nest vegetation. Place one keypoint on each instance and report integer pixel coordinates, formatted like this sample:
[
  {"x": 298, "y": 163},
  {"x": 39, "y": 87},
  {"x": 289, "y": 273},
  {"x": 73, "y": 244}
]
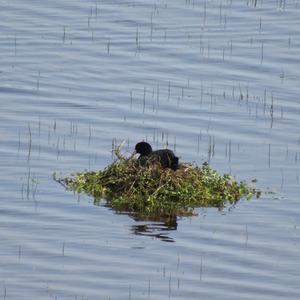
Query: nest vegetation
[{"x": 154, "y": 191}]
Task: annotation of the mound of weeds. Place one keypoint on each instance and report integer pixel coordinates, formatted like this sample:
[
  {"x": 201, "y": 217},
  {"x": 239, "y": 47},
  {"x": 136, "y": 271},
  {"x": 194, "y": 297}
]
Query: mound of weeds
[{"x": 152, "y": 191}]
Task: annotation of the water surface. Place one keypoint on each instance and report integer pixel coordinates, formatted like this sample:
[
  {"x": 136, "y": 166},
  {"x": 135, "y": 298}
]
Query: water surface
[{"x": 215, "y": 81}]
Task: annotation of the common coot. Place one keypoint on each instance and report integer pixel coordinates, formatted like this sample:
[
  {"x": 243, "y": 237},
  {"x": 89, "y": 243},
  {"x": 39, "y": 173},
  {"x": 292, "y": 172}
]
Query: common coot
[{"x": 165, "y": 157}]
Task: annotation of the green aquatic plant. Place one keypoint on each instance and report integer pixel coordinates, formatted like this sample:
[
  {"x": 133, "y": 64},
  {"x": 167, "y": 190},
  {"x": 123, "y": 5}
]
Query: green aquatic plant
[{"x": 153, "y": 191}]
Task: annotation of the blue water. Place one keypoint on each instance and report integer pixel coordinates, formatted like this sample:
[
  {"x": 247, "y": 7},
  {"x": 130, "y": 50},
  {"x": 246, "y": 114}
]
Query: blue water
[{"x": 80, "y": 76}]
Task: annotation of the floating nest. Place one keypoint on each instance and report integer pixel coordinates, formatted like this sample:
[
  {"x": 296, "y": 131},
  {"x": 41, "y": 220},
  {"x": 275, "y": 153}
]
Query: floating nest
[{"x": 152, "y": 191}]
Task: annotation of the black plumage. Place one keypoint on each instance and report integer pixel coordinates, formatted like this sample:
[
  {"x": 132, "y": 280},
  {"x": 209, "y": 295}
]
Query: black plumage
[{"x": 165, "y": 157}]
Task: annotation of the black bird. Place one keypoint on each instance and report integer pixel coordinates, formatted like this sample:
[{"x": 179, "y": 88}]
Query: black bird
[{"x": 165, "y": 157}]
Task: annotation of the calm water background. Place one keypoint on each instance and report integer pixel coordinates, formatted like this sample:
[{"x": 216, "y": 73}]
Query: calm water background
[{"x": 214, "y": 80}]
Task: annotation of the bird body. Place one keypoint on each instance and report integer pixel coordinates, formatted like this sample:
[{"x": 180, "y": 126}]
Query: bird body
[{"x": 165, "y": 157}]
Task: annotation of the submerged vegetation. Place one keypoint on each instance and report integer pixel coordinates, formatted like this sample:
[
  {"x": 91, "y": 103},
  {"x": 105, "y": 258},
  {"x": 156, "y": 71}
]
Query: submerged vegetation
[{"x": 152, "y": 191}]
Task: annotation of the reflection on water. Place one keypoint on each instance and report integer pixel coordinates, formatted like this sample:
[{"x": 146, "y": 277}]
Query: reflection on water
[{"x": 159, "y": 228}]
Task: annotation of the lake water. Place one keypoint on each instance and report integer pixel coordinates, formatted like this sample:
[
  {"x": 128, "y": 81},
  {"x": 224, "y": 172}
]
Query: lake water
[{"x": 213, "y": 80}]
